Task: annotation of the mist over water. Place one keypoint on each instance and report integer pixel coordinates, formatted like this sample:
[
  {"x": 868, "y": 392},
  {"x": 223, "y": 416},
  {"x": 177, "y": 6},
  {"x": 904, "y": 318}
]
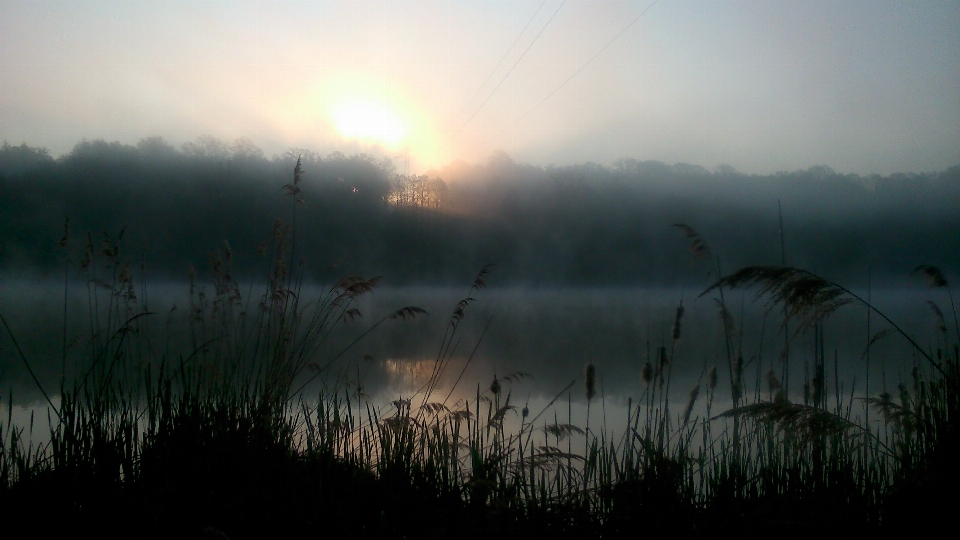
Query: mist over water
[
  {"x": 548, "y": 333},
  {"x": 589, "y": 263},
  {"x": 350, "y": 330}
]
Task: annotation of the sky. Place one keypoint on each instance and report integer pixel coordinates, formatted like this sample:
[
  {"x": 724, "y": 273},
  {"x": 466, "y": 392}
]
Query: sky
[{"x": 864, "y": 87}]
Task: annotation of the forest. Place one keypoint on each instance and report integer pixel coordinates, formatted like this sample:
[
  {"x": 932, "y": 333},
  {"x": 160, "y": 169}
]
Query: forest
[{"x": 575, "y": 225}]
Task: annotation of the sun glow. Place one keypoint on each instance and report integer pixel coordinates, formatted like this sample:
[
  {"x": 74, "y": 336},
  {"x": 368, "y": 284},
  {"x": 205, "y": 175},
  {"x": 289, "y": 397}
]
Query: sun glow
[{"x": 367, "y": 120}]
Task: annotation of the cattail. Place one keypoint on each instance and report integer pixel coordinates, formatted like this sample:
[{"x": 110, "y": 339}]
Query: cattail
[
  {"x": 495, "y": 386},
  {"x": 526, "y": 411},
  {"x": 712, "y": 378},
  {"x": 647, "y": 373},
  {"x": 676, "y": 323},
  {"x": 694, "y": 393},
  {"x": 590, "y": 380},
  {"x": 663, "y": 357},
  {"x": 806, "y": 393}
]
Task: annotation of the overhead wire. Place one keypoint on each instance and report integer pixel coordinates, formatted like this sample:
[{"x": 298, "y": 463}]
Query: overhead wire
[
  {"x": 494, "y": 91},
  {"x": 514, "y": 44},
  {"x": 581, "y": 68}
]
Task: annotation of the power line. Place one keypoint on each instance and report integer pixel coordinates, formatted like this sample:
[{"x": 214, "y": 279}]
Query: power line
[
  {"x": 467, "y": 104},
  {"x": 511, "y": 69},
  {"x": 568, "y": 79}
]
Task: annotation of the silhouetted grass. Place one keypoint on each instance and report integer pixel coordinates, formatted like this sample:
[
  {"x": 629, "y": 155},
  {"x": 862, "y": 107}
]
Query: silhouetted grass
[{"x": 222, "y": 439}]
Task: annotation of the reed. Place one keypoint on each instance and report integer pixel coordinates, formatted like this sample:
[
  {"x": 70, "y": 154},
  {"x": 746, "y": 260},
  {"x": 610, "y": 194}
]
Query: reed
[{"x": 228, "y": 438}]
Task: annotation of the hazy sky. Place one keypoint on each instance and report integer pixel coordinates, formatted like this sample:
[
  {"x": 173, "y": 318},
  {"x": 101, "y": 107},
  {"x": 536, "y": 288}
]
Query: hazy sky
[{"x": 868, "y": 87}]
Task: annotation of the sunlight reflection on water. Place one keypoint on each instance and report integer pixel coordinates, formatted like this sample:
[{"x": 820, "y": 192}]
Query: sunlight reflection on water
[{"x": 548, "y": 333}]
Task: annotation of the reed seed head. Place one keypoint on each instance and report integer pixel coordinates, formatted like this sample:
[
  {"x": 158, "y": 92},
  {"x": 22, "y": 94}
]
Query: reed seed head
[
  {"x": 495, "y": 386},
  {"x": 297, "y": 171},
  {"x": 676, "y": 323},
  {"x": 773, "y": 383},
  {"x": 934, "y": 275},
  {"x": 694, "y": 393},
  {"x": 698, "y": 248},
  {"x": 647, "y": 373},
  {"x": 940, "y": 325},
  {"x": 804, "y": 295},
  {"x": 66, "y": 234}
]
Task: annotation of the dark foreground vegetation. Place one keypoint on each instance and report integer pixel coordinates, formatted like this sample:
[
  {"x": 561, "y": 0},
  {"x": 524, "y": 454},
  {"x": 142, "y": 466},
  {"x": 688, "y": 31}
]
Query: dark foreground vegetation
[{"x": 221, "y": 440}]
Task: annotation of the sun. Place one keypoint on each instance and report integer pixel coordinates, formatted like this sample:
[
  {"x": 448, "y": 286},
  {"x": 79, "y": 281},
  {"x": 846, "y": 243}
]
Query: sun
[{"x": 367, "y": 120}]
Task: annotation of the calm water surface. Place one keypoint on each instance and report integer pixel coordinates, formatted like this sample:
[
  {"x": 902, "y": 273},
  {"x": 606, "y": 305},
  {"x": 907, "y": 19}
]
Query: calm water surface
[{"x": 549, "y": 335}]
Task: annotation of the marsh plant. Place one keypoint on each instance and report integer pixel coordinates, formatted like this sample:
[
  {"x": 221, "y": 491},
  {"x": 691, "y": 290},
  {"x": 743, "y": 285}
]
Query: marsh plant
[{"x": 258, "y": 426}]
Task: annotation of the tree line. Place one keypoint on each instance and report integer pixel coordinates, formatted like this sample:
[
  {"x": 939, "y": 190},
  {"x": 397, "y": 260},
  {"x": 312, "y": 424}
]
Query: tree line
[{"x": 583, "y": 224}]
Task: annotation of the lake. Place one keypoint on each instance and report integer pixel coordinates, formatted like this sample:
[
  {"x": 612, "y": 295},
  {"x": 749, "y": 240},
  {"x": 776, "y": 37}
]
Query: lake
[{"x": 548, "y": 335}]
